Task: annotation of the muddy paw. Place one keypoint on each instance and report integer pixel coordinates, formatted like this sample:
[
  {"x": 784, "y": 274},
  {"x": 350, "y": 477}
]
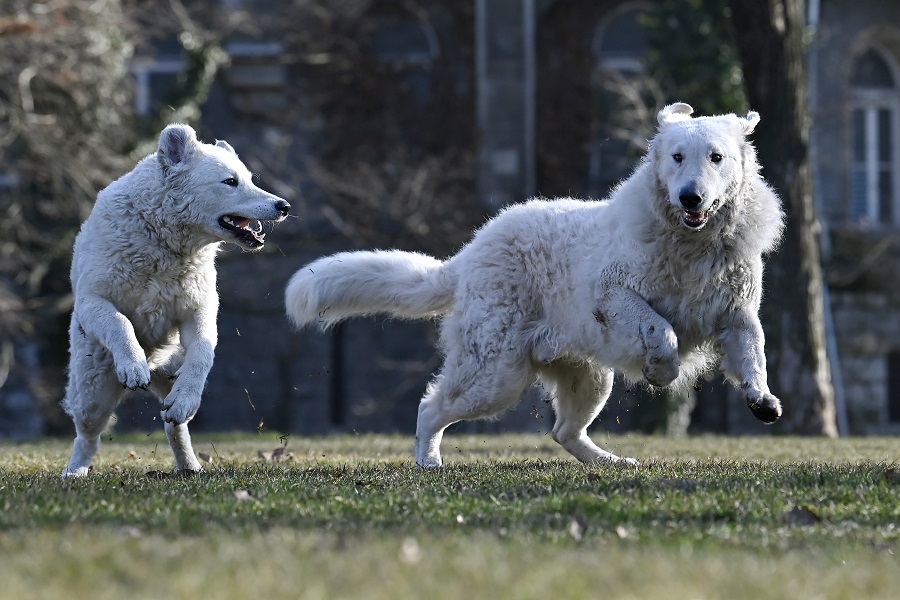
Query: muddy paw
[
  {"x": 661, "y": 372},
  {"x": 661, "y": 361},
  {"x": 765, "y": 407}
]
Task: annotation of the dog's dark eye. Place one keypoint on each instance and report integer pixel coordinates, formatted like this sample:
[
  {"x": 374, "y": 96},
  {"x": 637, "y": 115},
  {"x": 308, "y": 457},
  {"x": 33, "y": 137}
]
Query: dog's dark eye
[
  {"x": 678, "y": 157},
  {"x": 715, "y": 157},
  {"x": 231, "y": 181}
]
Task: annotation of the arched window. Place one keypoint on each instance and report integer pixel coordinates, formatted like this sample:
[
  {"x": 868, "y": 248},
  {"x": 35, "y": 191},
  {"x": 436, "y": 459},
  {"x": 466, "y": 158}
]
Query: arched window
[
  {"x": 403, "y": 39},
  {"x": 620, "y": 42},
  {"x": 619, "y": 45},
  {"x": 870, "y": 71},
  {"x": 875, "y": 130}
]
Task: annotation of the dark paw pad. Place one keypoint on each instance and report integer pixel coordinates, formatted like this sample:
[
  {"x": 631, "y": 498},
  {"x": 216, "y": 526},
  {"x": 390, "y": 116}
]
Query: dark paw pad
[{"x": 766, "y": 408}]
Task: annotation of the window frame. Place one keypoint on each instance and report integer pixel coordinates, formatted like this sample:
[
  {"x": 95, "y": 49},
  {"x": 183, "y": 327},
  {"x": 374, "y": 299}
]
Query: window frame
[
  {"x": 142, "y": 69},
  {"x": 421, "y": 59},
  {"x": 892, "y": 393},
  {"x": 871, "y": 101},
  {"x": 625, "y": 67}
]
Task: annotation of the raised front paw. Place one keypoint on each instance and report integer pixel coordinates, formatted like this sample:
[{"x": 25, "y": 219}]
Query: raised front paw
[
  {"x": 661, "y": 361},
  {"x": 180, "y": 408},
  {"x": 764, "y": 406},
  {"x": 660, "y": 372},
  {"x": 133, "y": 374}
]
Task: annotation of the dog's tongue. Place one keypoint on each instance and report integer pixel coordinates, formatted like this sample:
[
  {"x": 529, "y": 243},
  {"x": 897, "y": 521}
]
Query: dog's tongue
[
  {"x": 693, "y": 218},
  {"x": 242, "y": 223}
]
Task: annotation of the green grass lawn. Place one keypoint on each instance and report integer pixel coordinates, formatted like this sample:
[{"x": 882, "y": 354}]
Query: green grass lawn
[{"x": 510, "y": 516}]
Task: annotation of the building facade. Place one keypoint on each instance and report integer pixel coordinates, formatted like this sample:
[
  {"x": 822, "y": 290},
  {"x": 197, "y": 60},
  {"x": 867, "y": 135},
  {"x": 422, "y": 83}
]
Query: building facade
[
  {"x": 479, "y": 104},
  {"x": 855, "y": 101},
  {"x": 547, "y": 79}
]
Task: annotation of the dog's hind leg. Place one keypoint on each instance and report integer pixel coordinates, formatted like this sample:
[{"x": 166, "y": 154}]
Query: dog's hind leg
[
  {"x": 91, "y": 397},
  {"x": 433, "y": 419},
  {"x": 89, "y": 424},
  {"x": 463, "y": 392},
  {"x": 581, "y": 390},
  {"x": 84, "y": 449}
]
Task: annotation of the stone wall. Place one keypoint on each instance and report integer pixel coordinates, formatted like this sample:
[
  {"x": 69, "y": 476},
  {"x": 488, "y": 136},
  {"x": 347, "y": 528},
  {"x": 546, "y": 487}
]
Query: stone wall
[{"x": 867, "y": 328}]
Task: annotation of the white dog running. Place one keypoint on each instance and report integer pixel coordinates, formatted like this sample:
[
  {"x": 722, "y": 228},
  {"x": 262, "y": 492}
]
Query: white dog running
[
  {"x": 144, "y": 281},
  {"x": 658, "y": 282}
]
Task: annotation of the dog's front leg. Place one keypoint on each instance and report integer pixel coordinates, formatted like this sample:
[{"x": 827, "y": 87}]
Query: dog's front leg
[
  {"x": 198, "y": 336},
  {"x": 636, "y": 329},
  {"x": 180, "y": 442},
  {"x": 98, "y": 318},
  {"x": 744, "y": 363}
]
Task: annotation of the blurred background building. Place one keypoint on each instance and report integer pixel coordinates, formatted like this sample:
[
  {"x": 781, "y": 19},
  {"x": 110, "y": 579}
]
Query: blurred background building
[{"x": 394, "y": 123}]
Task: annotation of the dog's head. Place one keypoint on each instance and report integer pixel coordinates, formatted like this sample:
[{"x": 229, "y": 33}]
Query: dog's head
[
  {"x": 700, "y": 163},
  {"x": 213, "y": 190}
]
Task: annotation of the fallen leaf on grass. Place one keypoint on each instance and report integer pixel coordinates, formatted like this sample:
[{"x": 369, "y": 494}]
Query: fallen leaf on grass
[
  {"x": 410, "y": 551},
  {"x": 274, "y": 455},
  {"x": 133, "y": 455},
  {"x": 204, "y": 457},
  {"x": 685, "y": 485},
  {"x": 243, "y": 495},
  {"x": 577, "y": 528},
  {"x": 130, "y": 531},
  {"x": 802, "y": 516}
]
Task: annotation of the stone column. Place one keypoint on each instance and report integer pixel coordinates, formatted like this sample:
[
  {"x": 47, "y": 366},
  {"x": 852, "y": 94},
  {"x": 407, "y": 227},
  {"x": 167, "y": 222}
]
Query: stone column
[{"x": 506, "y": 78}]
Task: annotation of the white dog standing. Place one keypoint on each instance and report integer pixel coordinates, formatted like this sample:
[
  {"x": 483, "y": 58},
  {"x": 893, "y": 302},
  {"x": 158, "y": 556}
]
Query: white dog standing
[
  {"x": 144, "y": 281},
  {"x": 658, "y": 282}
]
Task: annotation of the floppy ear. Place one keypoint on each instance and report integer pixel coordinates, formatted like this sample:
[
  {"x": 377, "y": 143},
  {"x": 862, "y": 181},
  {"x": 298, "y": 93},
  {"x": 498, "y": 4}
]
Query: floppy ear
[
  {"x": 674, "y": 112},
  {"x": 748, "y": 124},
  {"x": 226, "y": 146},
  {"x": 177, "y": 144}
]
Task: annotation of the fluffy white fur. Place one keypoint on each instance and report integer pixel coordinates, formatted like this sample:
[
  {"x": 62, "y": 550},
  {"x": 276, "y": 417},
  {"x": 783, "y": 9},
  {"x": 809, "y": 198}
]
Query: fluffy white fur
[
  {"x": 659, "y": 282},
  {"x": 144, "y": 281}
]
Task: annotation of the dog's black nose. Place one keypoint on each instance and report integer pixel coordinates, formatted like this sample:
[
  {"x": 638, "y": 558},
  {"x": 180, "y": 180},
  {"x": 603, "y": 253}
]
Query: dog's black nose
[
  {"x": 283, "y": 207},
  {"x": 690, "y": 200}
]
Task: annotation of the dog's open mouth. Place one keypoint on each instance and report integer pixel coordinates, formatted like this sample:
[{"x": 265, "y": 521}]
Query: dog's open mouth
[
  {"x": 695, "y": 220},
  {"x": 249, "y": 232}
]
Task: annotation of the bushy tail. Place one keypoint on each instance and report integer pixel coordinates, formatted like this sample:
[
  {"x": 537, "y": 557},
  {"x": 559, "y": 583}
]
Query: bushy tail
[{"x": 404, "y": 284}]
